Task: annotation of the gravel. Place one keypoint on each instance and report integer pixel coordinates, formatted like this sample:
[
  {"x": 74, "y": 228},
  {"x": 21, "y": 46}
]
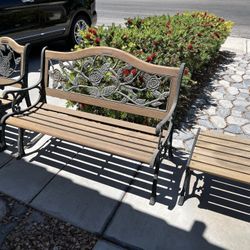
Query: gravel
[{"x": 23, "y": 227}]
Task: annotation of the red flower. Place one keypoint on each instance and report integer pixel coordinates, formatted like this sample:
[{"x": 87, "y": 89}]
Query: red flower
[
  {"x": 141, "y": 78},
  {"x": 93, "y": 31},
  {"x": 97, "y": 40},
  {"x": 155, "y": 43},
  {"x": 88, "y": 36},
  {"x": 190, "y": 46},
  {"x": 133, "y": 72},
  {"x": 186, "y": 71},
  {"x": 125, "y": 72},
  {"x": 149, "y": 59},
  {"x": 153, "y": 55},
  {"x": 129, "y": 21}
]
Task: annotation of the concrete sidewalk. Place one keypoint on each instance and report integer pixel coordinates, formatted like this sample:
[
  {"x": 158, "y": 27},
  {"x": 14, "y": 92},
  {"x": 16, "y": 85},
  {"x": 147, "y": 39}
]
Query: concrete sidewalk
[
  {"x": 237, "y": 45},
  {"x": 108, "y": 195}
]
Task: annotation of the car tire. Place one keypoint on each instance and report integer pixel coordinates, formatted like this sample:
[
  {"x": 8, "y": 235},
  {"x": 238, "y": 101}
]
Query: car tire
[{"x": 79, "y": 23}]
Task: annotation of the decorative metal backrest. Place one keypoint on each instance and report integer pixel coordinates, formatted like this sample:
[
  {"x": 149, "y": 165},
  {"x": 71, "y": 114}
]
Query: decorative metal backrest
[
  {"x": 111, "y": 77},
  {"x": 10, "y": 61}
]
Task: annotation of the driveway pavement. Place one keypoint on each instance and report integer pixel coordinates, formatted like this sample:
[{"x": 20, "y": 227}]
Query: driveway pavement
[{"x": 108, "y": 195}]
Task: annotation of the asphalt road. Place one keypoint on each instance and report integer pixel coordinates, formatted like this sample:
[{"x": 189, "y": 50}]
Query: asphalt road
[{"x": 238, "y": 11}]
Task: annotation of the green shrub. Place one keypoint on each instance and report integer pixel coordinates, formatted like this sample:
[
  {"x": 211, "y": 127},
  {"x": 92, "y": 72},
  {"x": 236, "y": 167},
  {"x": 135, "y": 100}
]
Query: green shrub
[{"x": 190, "y": 37}]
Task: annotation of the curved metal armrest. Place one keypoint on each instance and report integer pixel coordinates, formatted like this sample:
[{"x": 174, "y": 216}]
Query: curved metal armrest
[
  {"x": 19, "y": 91},
  {"x": 162, "y": 123},
  {"x": 18, "y": 96}
]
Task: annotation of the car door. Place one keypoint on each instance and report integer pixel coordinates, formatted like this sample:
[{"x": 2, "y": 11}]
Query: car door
[
  {"x": 19, "y": 19},
  {"x": 54, "y": 17}
]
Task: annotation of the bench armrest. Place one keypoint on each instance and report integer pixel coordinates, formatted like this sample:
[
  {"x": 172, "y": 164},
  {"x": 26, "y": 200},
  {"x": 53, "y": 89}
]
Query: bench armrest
[
  {"x": 10, "y": 82},
  {"x": 162, "y": 123},
  {"x": 17, "y": 98}
]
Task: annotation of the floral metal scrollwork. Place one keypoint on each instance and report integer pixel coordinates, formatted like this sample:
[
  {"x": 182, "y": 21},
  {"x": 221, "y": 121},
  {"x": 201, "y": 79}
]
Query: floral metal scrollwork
[
  {"x": 109, "y": 78},
  {"x": 9, "y": 62}
]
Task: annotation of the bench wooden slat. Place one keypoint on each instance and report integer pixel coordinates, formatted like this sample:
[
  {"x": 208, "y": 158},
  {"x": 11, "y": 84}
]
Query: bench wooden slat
[
  {"x": 218, "y": 148},
  {"x": 5, "y": 101},
  {"x": 218, "y": 171},
  {"x": 108, "y": 147},
  {"x": 113, "y": 131},
  {"x": 220, "y": 163},
  {"x": 79, "y": 130},
  {"x": 103, "y": 119},
  {"x": 115, "y": 105},
  {"x": 225, "y": 137},
  {"x": 113, "y": 52},
  {"x": 222, "y": 156},
  {"x": 222, "y": 142}
]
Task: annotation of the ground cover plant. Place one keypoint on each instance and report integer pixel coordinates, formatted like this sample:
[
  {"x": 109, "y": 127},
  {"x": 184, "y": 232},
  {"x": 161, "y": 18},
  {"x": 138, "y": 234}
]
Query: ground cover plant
[{"x": 191, "y": 37}]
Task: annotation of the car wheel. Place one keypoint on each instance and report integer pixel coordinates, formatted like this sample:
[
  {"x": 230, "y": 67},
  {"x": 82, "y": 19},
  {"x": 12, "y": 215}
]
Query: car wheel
[{"x": 80, "y": 23}]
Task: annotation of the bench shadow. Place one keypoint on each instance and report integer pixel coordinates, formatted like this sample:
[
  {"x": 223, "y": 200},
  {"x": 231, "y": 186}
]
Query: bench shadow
[
  {"x": 223, "y": 196},
  {"x": 115, "y": 171},
  {"x": 168, "y": 234},
  {"x": 199, "y": 97},
  {"x": 11, "y": 135}
]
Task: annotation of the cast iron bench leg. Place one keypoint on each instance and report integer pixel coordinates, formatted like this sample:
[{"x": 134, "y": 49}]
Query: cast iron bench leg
[
  {"x": 185, "y": 188},
  {"x": 2, "y": 138},
  {"x": 20, "y": 146},
  {"x": 154, "y": 185}
]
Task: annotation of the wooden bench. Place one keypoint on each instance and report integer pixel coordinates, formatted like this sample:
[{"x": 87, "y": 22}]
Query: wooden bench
[
  {"x": 13, "y": 67},
  {"x": 220, "y": 155},
  {"x": 108, "y": 78}
]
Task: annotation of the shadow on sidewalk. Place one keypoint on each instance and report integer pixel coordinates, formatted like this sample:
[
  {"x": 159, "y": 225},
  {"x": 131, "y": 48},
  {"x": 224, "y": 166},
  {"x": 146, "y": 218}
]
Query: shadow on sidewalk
[
  {"x": 126, "y": 227},
  {"x": 116, "y": 172},
  {"x": 199, "y": 96},
  {"x": 222, "y": 195}
]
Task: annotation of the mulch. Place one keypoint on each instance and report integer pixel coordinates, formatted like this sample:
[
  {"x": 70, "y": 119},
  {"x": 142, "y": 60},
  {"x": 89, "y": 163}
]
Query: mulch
[{"x": 23, "y": 227}]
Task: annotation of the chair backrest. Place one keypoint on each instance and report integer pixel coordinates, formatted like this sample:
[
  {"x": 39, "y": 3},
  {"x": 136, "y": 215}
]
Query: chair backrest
[
  {"x": 113, "y": 79},
  {"x": 13, "y": 61}
]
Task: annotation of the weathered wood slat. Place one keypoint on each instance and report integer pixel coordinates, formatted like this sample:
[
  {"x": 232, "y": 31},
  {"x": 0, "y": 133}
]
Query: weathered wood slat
[
  {"x": 222, "y": 172},
  {"x": 113, "y": 52},
  {"x": 111, "y": 130},
  {"x": 4, "y": 81},
  {"x": 128, "y": 108},
  {"x": 83, "y": 140},
  {"x": 222, "y": 142},
  {"x": 225, "y": 137},
  {"x": 222, "y": 156},
  {"x": 102, "y": 119},
  {"x": 218, "y": 148},
  {"x": 80, "y": 130},
  {"x": 221, "y": 163}
]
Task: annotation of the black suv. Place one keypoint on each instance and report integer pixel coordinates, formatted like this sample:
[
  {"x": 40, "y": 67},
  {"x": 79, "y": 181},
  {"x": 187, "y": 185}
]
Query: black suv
[{"x": 42, "y": 20}]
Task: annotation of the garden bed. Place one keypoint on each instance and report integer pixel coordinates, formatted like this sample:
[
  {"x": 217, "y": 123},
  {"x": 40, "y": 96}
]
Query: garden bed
[{"x": 191, "y": 37}]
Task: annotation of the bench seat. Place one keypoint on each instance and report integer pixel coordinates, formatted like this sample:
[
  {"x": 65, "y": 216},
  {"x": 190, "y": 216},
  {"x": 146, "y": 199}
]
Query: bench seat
[
  {"x": 218, "y": 155},
  {"x": 134, "y": 141},
  {"x": 222, "y": 155}
]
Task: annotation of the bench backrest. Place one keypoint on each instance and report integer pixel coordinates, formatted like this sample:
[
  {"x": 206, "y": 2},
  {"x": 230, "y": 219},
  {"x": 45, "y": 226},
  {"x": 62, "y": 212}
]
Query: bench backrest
[
  {"x": 13, "y": 62},
  {"x": 113, "y": 79}
]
